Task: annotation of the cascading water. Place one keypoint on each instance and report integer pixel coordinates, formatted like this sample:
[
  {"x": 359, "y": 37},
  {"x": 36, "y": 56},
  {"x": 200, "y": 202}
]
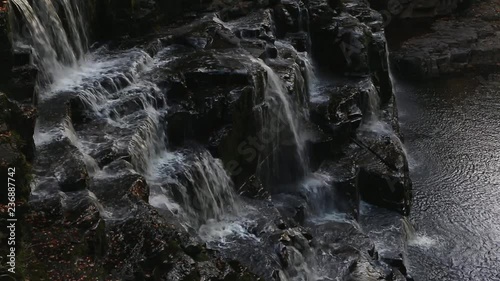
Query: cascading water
[
  {"x": 198, "y": 182},
  {"x": 112, "y": 114},
  {"x": 107, "y": 83},
  {"x": 55, "y": 44},
  {"x": 283, "y": 119}
]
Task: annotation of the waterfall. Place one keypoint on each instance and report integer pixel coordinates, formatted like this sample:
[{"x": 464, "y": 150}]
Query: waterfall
[
  {"x": 56, "y": 44},
  {"x": 283, "y": 120},
  {"x": 201, "y": 188},
  {"x": 213, "y": 189}
]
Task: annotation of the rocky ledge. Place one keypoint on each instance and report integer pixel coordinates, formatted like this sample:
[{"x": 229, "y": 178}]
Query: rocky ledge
[
  {"x": 214, "y": 66},
  {"x": 460, "y": 43}
]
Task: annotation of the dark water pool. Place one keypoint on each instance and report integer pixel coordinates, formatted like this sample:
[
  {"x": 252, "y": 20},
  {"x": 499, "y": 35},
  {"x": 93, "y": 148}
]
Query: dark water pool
[{"x": 452, "y": 134}]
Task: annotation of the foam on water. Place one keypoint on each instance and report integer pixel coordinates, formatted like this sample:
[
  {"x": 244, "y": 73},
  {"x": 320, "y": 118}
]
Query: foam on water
[
  {"x": 319, "y": 193},
  {"x": 224, "y": 232},
  {"x": 416, "y": 238},
  {"x": 333, "y": 216},
  {"x": 423, "y": 241}
]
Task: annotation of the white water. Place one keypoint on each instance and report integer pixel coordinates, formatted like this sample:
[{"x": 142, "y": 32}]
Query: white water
[
  {"x": 53, "y": 47},
  {"x": 205, "y": 189},
  {"x": 104, "y": 82},
  {"x": 284, "y": 112},
  {"x": 416, "y": 238},
  {"x": 197, "y": 189},
  {"x": 318, "y": 192}
]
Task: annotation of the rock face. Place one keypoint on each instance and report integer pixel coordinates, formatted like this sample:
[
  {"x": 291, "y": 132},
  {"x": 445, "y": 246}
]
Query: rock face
[
  {"x": 404, "y": 9},
  {"x": 16, "y": 151},
  {"x": 5, "y": 48},
  {"x": 118, "y": 153},
  {"x": 454, "y": 45},
  {"x": 359, "y": 49}
]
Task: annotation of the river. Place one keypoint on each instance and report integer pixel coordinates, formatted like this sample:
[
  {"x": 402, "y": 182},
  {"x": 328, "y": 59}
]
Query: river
[{"x": 452, "y": 133}]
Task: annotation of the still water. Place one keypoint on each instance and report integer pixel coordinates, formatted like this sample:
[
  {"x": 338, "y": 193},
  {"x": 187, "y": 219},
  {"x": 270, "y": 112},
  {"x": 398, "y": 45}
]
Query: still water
[{"x": 452, "y": 134}]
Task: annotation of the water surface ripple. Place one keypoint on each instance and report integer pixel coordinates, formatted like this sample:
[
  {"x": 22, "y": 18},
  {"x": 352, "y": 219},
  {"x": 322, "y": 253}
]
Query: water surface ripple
[{"x": 452, "y": 132}]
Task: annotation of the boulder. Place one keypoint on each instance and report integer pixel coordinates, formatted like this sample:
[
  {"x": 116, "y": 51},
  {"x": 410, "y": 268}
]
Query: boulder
[
  {"x": 349, "y": 40},
  {"x": 383, "y": 176}
]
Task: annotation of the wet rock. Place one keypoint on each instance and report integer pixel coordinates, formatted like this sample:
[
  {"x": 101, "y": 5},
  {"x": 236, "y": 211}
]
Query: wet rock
[
  {"x": 384, "y": 176},
  {"x": 338, "y": 111},
  {"x": 292, "y": 72},
  {"x": 347, "y": 194},
  {"x": 349, "y": 40},
  {"x": 341, "y": 44},
  {"x": 207, "y": 33},
  {"x": 217, "y": 96},
  {"x": 208, "y": 74},
  {"x": 62, "y": 161},
  {"x": 13, "y": 163},
  {"x": 257, "y": 25},
  {"x": 211, "y": 83},
  {"x": 403, "y": 9},
  {"x": 300, "y": 41},
  {"x": 391, "y": 242},
  {"x": 253, "y": 188},
  {"x": 230, "y": 9},
  {"x": 119, "y": 185},
  {"x": 290, "y": 16},
  {"x": 453, "y": 46}
]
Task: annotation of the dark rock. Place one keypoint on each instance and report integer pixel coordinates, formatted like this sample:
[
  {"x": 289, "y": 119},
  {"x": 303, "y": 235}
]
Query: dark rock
[
  {"x": 403, "y": 9},
  {"x": 71, "y": 223},
  {"x": 211, "y": 88},
  {"x": 20, "y": 119},
  {"x": 300, "y": 41},
  {"x": 207, "y": 33},
  {"x": 253, "y": 188},
  {"x": 339, "y": 109},
  {"x": 22, "y": 83},
  {"x": 290, "y": 17},
  {"x": 119, "y": 186},
  {"x": 383, "y": 176},
  {"x": 230, "y": 9},
  {"x": 116, "y": 18},
  {"x": 453, "y": 46},
  {"x": 347, "y": 195},
  {"x": 257, "y": 25},
  {"x": 62, "y": 161},
  {"x": 350, "y": 40},
  {"x": 6, "y": 59}
]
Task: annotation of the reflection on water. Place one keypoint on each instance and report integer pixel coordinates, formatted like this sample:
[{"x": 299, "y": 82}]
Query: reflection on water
[{"x": 452, "y": 133}]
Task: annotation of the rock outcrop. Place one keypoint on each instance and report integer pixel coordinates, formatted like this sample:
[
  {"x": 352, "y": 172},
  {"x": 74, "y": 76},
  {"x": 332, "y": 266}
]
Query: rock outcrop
[
  {"x": 230, "y": 78},
  {"x": 414, "y": 9},
  {"x": 454, "y": 45}
]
